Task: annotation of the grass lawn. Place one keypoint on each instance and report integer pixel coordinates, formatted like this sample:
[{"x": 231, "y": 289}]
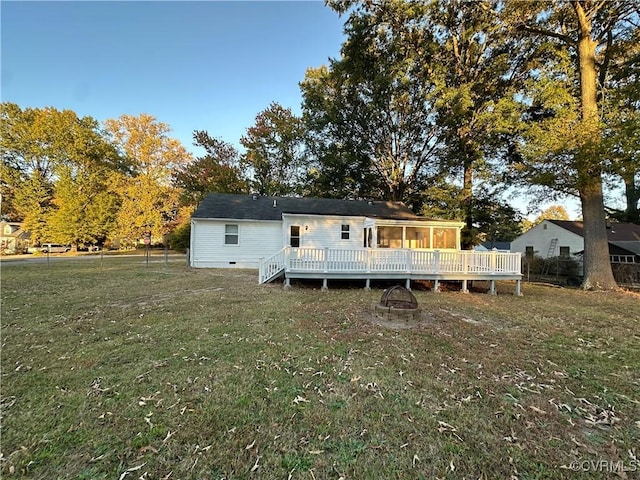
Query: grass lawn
[{"x": 118, "y": 370}]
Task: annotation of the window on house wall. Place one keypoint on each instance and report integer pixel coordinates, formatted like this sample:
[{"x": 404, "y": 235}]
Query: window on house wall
[
  {"x": 565, "y": 252},
  {"x": 344, "y": 232},
  {"x": 444, "y": 238},
  {"x": 528, "y": 251},
  {"x": 294, "y": 235},
  {"x": 417, "y": 237},
  {"x": 389, "y": 237},
  {"x": 231, "y": 236}
]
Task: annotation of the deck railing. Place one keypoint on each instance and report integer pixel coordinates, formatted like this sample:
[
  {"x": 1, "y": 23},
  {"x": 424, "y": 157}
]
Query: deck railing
[
  {"x": 397, "y": 260},
  {"x": 273, "y": 265}
]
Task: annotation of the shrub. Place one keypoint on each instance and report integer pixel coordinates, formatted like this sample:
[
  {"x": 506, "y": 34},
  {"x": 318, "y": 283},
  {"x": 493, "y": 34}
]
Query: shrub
[{"x": 180, "y": 238}]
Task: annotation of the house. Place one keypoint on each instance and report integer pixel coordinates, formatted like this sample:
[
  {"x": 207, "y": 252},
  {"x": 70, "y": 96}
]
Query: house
[
  {"x": 330, "y": 239},
  {"x": 13, "y": 239},
  {"x": 553, "y": 238},
  {"x": 491, "y": 244}
]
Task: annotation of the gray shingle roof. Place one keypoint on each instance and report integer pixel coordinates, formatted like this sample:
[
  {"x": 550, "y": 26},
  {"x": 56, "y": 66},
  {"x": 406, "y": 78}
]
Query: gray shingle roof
[
  {"x": 623, "y": 238},
  {"x": 248, "y": 207},
  {"x": 616, "y": 232}
]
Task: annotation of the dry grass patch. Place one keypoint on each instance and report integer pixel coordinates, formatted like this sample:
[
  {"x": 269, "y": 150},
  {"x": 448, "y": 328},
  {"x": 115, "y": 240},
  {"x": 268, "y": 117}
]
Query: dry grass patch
[{"x": 129, "y": 371}]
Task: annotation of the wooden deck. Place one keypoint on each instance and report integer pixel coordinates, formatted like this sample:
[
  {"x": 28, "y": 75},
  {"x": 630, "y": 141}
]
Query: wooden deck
[{"x": 392, "y": 264}]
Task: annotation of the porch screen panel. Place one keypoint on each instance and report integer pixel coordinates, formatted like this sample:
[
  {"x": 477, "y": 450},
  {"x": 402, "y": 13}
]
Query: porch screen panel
[
  {"x": 418, "y": 237},
  {"x": 444, "y": 238},
  {"x": 389, "y": 237}
]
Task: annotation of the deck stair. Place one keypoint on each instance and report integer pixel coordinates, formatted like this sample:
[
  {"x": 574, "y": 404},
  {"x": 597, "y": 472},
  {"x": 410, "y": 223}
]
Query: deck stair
[{"x": 272, "y": 267}]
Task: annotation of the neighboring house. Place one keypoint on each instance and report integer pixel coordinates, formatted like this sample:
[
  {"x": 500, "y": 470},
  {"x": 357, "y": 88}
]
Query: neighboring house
[
  {"x": 553, "y": 238},
  {"x": 490, "y": 245},
  {"x": 330, "y": 238},
  {"x": 13, "y": 239}
]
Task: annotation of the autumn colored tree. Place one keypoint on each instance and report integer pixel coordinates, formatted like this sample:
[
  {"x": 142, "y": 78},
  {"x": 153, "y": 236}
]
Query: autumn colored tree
[
  {"x": 552, "y": 212},
  {"x": 149, "y": 200}
]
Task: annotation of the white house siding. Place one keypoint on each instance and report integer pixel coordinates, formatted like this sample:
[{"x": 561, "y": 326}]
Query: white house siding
[
  {"x": 256, "y": 240},
  {"x": 540, "y": 237},
  {"x": 325, "y": 231}
]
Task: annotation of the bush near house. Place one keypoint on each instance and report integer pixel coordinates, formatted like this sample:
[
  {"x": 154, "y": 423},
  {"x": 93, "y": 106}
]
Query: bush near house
[{"x": 558, "y": 266}]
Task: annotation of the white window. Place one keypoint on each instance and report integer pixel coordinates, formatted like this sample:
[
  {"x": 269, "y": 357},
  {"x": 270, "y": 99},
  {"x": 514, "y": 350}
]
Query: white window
[{"x": 231, "y": 235}]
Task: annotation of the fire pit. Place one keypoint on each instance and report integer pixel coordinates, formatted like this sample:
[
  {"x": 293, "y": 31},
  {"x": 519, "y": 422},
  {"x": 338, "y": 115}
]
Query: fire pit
[{"x": 397, "y": 304}]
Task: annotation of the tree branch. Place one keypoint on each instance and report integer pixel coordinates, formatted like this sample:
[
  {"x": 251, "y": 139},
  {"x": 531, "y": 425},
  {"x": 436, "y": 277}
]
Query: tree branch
[{"x": 547, "y": 33}]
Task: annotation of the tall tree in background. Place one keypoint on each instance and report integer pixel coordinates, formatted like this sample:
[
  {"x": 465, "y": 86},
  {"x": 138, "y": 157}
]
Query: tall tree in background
[
  {"x": 275, "y": 152},
  {"x": 473, "y": 74},
  {"x": 149, "y": 201},
  {"x": 566, "y": 148},
  {"x": 337, "y": 167},
  {"x": 621, "y": 116},
  {"x": 417, "y": 93},
  {"x": 373, "y": 106},
  {"x": 217, "y": 171}
]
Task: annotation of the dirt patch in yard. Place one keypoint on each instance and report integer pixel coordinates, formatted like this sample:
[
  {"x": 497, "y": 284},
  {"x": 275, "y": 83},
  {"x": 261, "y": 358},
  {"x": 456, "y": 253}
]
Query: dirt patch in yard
[{"x": 427, "y": 318}]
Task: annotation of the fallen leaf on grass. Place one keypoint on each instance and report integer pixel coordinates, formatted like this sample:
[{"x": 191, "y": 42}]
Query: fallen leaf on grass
[
  {"x": 132, "y": 469},
  {"x": 537, "y": 410},
  {"x": 255, "y": 465},
  {"x": 446, "y": 427}
]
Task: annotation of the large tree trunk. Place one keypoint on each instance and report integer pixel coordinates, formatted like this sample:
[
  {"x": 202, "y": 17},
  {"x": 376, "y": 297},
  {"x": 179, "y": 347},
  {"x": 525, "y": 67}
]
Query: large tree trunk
[{"x": 597, "y": 267}]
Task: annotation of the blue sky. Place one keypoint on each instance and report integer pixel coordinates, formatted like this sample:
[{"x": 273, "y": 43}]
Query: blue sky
[{"x": 193, "y": 65}]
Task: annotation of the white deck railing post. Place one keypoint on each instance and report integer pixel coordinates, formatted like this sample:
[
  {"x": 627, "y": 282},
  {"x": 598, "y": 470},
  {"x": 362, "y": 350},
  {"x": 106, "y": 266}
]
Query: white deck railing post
[
  {"x": 494, "y": 260},
  {"x": 326, "y": 259},
  {"x": 436, "y": 261}
]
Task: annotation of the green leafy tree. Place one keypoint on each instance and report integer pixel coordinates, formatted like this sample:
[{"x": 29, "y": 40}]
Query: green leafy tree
[
  {"x": 275, "y": 152},
  {"x": 41, "y": 149},
  {"x": 621, "y": 118},
  {"x": 473, "y": 77},
  {"x": 85, "y": 207},
  {"x": 337, "y": 168},
  {"x": 149, "y": 200},
  {"x": 373, "y": 107},
  {"x": 563, "y": 147},
  {"x": 218, "y": 170}
]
